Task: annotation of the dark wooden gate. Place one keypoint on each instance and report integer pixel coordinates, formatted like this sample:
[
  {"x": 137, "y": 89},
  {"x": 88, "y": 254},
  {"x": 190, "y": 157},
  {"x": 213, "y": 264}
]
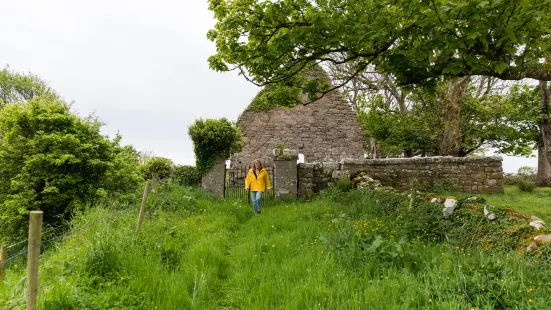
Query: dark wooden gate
[{"x": 234, "y": 184}]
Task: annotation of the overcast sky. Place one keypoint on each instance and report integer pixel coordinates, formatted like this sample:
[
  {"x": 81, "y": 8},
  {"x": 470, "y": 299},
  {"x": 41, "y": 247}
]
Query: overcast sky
[{"x": 140, "y": 66}]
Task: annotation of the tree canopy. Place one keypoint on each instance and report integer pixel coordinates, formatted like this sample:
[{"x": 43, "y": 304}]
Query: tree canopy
[
  {"x": 274, "y": 41},
  {"x": 505, "y": 121},
  {"x": 17, "y": 87},
  {"x": 55, "y": 161}
]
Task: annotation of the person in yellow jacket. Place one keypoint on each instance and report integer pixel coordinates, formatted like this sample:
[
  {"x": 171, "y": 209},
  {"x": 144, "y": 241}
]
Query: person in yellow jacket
[{"x": 257, "y": 181}]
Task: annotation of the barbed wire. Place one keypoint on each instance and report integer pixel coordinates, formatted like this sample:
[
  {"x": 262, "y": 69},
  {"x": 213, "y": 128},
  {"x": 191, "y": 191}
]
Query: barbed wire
[
  {"x": 26, "y": 239},
  {"x": 44, "y": 242},
  {"x": 13, "y": 304},
  {"x": 14, "y": 256},
  {"x": 17, "y": 243}
]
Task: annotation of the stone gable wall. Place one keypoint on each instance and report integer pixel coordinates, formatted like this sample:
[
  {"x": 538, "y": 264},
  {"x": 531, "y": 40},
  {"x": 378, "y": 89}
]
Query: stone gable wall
[
  {"x": 326, "y": 130},
  {"x": 472, "y": 175}
]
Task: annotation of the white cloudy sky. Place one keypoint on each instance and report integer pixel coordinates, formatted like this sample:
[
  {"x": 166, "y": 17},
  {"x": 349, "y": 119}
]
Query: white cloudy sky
[{"x": 141, "y": 66}]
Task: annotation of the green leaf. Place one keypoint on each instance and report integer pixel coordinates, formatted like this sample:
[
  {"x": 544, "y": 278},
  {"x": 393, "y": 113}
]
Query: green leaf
[
  {"x": 376, "y": 244},
  {"x": 483, "y": 4},
  {"x": 500, "y": 67}
]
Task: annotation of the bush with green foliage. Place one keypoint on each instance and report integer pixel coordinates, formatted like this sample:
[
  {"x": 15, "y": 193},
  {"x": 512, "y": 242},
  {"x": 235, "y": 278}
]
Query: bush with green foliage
[
  {"x": 213, "y": 139},
  {"x": 186, "y": 176},
  {"x": 524, "y": 173},
  {"x": 526, "y": 185},
  {"x": 54, "y": 161},
  {"x": 344, "y": 184},
  {"x": 445, "y": 186},
  {"x": 158, "y": 168},
  {"x": 287, "y": 95},
  {"x": 124, "y": 175},
  {"x": 274, "y": 95}
]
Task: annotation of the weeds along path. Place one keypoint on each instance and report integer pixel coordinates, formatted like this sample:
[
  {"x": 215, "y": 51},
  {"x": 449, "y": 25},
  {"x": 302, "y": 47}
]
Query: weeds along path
[{"x": 203, "y": 253}]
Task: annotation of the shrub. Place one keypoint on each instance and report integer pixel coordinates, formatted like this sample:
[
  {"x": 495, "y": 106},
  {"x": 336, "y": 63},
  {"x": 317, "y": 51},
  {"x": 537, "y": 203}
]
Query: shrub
[
  {"x": 526, "y": 186},
  {"x": 344, "y": 185},
  {"x": 510, "y": 178},
  {"x": 425, "y": 222},
  {"x": 186, "y": 176},
  {"x": 157, "y": 167},
  {"x": 524, "y": 173},
  {"x": 444, "y": 186},
  {"x": 213, "y": 139}
]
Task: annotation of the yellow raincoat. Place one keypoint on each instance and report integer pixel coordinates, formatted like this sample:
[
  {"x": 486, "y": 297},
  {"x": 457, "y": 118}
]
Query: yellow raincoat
[{"x": 258, "y": 183}]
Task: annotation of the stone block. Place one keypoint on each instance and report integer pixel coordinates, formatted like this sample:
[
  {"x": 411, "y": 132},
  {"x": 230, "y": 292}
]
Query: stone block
[
  {"x": 329, "y": 167},
  {"x": 305, "y": 184},
  {"x": 290, "y": 153},
  {"x": 305, "y": 173},
  {"x": 340, "y": 174}
]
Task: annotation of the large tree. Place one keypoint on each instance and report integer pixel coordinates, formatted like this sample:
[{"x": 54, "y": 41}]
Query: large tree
[
  {"x": 273, "y": 41},
  {"x": 478, "y": 115},
  {"x": 544, "y": 139}
]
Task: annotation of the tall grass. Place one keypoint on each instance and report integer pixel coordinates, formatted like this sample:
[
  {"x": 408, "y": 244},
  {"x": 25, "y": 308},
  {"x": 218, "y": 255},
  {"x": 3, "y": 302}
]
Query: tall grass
[
  {"x": 348, "y": 251},
  {"x": 536, "y": 203}
]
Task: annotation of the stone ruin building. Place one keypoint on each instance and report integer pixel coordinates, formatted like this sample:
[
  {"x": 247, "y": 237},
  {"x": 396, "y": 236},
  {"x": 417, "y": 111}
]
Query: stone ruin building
[{"x": 326, "y": 130}]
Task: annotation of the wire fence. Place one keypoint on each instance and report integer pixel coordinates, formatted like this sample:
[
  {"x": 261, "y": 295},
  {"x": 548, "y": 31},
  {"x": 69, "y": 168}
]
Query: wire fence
[
  {"x": 17, "y": 302},
  {"x": 48, "y": 236},
  {"x": 7, "y": 262},
  {"x": 52, "y": 234}
]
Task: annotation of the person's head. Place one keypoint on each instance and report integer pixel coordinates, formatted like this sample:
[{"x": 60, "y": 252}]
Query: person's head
[{"x": 257, "y": 164}]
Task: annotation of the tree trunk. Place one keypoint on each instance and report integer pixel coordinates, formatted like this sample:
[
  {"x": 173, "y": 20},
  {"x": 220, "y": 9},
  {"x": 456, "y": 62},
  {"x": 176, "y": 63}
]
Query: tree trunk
[
  {"x": 452, "y": 97},
  {"x": 543, "y": 177},
  {"x": 374, "y": 146}
]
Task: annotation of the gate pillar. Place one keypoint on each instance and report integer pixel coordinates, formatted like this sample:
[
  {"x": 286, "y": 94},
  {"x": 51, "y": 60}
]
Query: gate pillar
[
  {"x": 285, "y": 174},
  {"x": 214, "y": 179}
]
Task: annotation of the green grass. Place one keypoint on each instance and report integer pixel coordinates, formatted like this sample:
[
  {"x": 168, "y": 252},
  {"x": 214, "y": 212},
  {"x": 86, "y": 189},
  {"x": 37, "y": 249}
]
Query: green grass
[
  {"x": 536, "y": 203},
  {"x": 346, "y": 252}
]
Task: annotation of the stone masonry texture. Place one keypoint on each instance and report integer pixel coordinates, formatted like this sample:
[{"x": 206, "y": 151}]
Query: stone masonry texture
[
  {"x": 285, "y": 177},
  {"x": 325, "y": 130},
  {"x": 470, "y": 174},
  {"x": 213, "y": 180}
]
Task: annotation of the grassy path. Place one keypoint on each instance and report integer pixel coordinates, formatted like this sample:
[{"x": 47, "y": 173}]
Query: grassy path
[{"x": 301, "y": 255}]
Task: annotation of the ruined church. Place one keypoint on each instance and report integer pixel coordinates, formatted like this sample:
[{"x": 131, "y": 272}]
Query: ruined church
[{"x": 326, "y": 130}]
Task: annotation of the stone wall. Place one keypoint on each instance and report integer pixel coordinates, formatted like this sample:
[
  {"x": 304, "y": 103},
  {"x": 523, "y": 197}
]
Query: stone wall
[
  {"x": 326, "y": 130},
  {"x": 215, "y": 178},
  {"x": 471, "y": 175},
  {"x": 314, "y": 177}
]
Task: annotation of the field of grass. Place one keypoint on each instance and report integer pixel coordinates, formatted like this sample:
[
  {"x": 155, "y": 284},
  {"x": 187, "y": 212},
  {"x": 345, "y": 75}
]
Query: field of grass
[
  {"x": 537, "y": 203},
  {"x": 348, "y": 251}
]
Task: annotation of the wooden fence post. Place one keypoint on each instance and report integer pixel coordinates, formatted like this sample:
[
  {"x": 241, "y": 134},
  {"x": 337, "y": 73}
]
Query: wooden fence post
[
  {"x": 156, "y": 181},
  {"x": 142, "y": 206},
  {"x": 35, "y": 234},
  {"x": 3, "y": 251}
]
